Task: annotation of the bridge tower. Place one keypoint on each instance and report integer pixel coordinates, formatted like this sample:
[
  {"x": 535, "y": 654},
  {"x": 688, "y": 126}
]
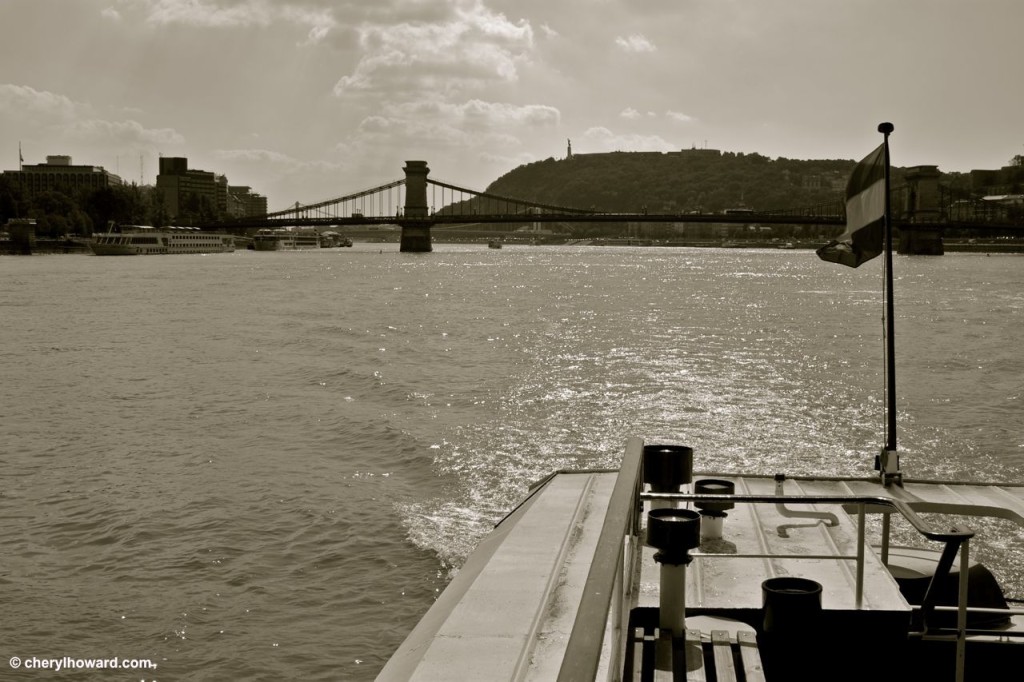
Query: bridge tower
[
  {"x": 922, "y": 204},
  {"x": 416, "y": 219}
]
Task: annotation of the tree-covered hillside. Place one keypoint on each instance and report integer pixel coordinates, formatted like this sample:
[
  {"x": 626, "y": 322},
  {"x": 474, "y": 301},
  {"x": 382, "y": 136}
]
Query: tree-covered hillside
[{"x": 690, "y": 180}]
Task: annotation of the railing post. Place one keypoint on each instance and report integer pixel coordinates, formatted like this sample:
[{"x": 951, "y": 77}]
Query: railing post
[
  {"x": 942, "y": 570},
  {"x": 886, "y": 531},
  {"x": 860, "y": 555},
  {"x": 961, "y": 614}
]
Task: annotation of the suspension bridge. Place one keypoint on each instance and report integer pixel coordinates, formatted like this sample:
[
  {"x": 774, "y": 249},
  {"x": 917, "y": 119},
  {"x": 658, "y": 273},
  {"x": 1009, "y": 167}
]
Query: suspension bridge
[{"x": 417, "y": 203}]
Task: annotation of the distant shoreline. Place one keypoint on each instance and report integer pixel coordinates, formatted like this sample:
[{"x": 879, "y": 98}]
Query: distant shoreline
[{"x": 1008, "y": 246}]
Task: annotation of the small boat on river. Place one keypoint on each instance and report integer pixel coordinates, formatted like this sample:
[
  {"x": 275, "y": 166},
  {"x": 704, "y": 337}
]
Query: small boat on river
[
  {"x": 330, "y": 239},
  {"x": 281, "y": 239},
  {"x": 143, "y": 240}
]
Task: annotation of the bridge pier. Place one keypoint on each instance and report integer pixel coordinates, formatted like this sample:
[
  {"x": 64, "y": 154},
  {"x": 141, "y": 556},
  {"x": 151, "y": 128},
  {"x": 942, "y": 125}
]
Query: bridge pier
[
  {"x": 922, "y": 203},
  {"x": 920, "y": 241},
  {"x": 416, "y": 220}
]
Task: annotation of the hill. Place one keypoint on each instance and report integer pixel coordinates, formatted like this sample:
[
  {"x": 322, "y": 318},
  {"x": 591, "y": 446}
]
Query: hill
[{"x": 702, "y": 180}]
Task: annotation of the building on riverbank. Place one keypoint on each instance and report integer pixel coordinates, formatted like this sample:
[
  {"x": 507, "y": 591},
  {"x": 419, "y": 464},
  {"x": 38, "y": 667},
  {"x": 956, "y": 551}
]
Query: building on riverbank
[
  {"x": 60, "y": 174},
  {"x": 189, "y": 193}
]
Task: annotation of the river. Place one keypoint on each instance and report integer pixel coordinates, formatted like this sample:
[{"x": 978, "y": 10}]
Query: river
[{"x": 265, "y": 466}]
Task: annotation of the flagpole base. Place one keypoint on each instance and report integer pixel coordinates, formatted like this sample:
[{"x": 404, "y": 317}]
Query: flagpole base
[{"x": 888, "y": 466}]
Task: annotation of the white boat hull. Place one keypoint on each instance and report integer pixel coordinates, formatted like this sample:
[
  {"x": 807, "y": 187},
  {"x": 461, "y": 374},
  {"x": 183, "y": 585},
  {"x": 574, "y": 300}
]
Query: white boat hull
[{"x": 147, "y": 241}]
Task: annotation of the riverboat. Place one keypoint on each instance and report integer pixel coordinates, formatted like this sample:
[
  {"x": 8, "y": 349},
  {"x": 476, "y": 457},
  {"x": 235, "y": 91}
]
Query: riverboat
[
  {"x": 143, "y": 240},
  {"x": 285, "y": 240},
  {"x": 331, "y": 239},
  {"x": 651, "y": 572}
]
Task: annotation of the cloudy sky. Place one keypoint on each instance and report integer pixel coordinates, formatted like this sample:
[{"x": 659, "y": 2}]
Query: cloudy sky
[{"x": 306, "y": 100}]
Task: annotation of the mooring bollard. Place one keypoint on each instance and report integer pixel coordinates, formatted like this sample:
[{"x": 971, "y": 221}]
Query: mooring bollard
[
  {"x": 791, "y": 625},
  {"x": 713, "y": 513},
  {"x": 674, "y": 532},
  {"x": 666, "y": 469}
]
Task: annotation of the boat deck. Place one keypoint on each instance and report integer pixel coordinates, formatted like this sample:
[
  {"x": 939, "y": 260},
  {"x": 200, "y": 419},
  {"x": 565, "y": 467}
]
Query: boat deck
[
  {"x": 512, "y": 609},
  {"x": 727, "y": 573}
]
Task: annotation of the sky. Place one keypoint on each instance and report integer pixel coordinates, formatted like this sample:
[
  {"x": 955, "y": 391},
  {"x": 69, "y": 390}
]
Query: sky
[{"x": 307, "y": 100}]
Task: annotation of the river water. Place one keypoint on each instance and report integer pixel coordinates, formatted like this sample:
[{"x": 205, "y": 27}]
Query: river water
[{"x": 265, "y": 466}]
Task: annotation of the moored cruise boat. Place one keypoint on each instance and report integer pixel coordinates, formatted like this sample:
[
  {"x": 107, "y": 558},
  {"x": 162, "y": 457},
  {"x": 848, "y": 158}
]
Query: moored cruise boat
[
  {"x": 305, "y": 239},
  {"x": 281, "y": 239},
  {"x": 331, "y": 239},
  {"x": 267, "y": 240},
  {"x": 144, "y": 240}
]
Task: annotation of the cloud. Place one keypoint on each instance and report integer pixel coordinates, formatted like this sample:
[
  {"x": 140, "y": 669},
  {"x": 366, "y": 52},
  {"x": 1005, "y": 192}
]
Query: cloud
[
  {"x": 492, "y": 133},
  {"x": 268, "y": 163},
  {"x": 680, "y": 117},
  {"x": 61, "y": 120},
  {"x": 125, "y": 132},
  {"x": 237, "y": 13},
  {"x": 29, "y": 103},
  {"x": 500, "y": 114},
  {"x": 635, "y": 43},
  {"x": 273, "y": 165},
  {"x": 464, "y": 122},
  {"x": 205, "y": 12},
  {"x": 289, "y": 178},
  {"x": 317, "y": 34},
  {"x": 257, "y": 156},
  {"x": 602, "y": 139},
  {"x": 471, "y": 47},
  {"x": 630, "y": 113},
  {"x": 375, "y": 124}
]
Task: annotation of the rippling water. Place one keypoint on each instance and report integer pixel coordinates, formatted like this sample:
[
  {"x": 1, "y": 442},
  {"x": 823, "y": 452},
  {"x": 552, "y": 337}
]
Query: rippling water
[{"x": 265, "y": 465}]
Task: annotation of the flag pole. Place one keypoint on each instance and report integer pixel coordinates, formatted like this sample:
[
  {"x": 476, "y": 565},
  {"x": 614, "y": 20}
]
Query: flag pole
[{"x": 889, "y": 462}]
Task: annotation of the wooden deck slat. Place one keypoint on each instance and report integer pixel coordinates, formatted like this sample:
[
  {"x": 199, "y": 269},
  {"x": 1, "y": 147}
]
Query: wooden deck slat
[
  {"x": 716, "y": 655},
  {"x": 750, "y": 655},
  {"x": 725, "y": 667},
  {"x": 636, "y": 642},
  {"x": 662, "y": 646},
  {"x": 694, "y": 657}
]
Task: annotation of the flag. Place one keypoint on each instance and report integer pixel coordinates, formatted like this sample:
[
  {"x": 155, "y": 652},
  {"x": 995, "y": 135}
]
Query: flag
[{"x": 865, "y": 214}]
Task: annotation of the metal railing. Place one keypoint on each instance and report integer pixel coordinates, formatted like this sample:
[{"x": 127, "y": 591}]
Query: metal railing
[
  {"x": 605, "y": 580},
  {"x": 952, "y": 538},
  {"x": 609, "y": 581}
]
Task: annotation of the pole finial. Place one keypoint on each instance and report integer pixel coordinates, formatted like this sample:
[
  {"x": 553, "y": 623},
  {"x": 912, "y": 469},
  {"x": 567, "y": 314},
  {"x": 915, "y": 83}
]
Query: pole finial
[{"x": 886, "y": 128}]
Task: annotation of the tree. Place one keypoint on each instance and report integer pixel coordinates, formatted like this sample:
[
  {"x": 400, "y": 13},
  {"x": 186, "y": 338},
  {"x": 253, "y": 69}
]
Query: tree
[
  {"x": 52, "y": 210},
  {"x": 12, "y": 200},
  {"x": 105, "y": 205}
]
